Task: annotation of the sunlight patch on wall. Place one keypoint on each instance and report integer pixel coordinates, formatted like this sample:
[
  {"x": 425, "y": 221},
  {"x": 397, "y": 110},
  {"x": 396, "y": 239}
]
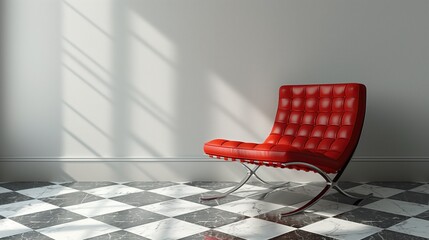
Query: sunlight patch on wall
[
  {"x": 232, "y": 116},
  {"x": 86, "y": 83},
  {"x": 152, "y": 59}
]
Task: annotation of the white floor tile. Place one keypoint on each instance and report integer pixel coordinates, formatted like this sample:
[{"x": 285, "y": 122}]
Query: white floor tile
[
  {"x": 81, "y": 229},
  {"x": 47, "y": 191},
  {"x": 413, "y": 226},
  {"x": 174, "y": 207},
  {"x": 255, "y": 229},
  {"x": 398, "y": 207},
  {"x": 377, "y": 191},
  {"x": 113, "y": 191},
  {"x": 327, "y": 208},
  {"x": 10, "y": 228},
  {"x": 166, "y": 229},
  {"x": 4, "y": 190},
  {"x": 179, "y": 191},
  {"x": 341, "y": 229},
  {"x": 249, "y": 207},
  {"x": 97, "y": 208},
  {"x": 421, "y": 189},
  {"x": 25, "y": 207}
]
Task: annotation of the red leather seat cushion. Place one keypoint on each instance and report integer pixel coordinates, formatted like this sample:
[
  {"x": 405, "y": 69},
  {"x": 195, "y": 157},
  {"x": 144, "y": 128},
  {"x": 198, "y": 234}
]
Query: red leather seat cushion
[{"x": 270, "y": 153}]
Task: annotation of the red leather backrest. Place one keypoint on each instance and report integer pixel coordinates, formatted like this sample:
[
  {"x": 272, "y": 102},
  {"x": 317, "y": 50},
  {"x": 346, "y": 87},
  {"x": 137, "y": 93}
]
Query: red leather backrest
[{"x": 325, "y": 118}]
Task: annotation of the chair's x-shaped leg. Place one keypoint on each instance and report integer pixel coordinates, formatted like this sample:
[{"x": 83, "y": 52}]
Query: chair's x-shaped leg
[
  {"x": 249, "y": 174},
  {"x": 329, "y": 184}
]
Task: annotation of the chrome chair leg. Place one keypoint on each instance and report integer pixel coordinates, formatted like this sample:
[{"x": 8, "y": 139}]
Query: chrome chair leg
[
  {"x": 309, "y": 203},
  {"x": 357, "y": 198},
  {"x": 250, "y": 172}
]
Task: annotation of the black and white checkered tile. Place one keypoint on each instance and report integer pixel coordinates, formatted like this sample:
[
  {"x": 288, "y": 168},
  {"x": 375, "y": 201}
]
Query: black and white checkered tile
[{"x": 167, "y": 210}]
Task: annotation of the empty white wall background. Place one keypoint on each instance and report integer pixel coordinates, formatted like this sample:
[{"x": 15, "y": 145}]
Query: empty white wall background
[{"x": 130, "y": 90}]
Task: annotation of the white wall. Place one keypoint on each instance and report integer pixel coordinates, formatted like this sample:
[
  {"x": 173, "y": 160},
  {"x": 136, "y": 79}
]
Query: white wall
[{"x": 125, "y": 85}]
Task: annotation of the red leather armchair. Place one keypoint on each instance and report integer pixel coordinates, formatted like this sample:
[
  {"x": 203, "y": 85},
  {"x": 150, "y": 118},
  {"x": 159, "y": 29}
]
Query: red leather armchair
[{"x": 317, "y": 128}]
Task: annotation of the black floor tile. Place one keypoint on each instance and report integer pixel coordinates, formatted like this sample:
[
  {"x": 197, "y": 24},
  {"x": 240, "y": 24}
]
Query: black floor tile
[
  {"x": 12, "y": 197},
  {"x": 298, "y": 220},
  {"x": 47, "y": 218},
  {"x": 33, "y": 235},
  {"x": 150, "y": 185},
  {"x": 214, "y": 202},
  {"x": 211, "y": 185},
  {"x": 372, "y": 217},
  {"x": 129, "y": 218},
  {"x": 397, "y": 185},
  {"x": 141, "y": 198},
  {"x": 211, "y": 217},
  {"x": 87, "y": 185},
  {"x": 415, "y": 197},
  {"x": 387, "y": 235},
  {"x": 16, "y": 186},
  {"x": 211, "y": 235},
  {"x": 301, "y": 235}
]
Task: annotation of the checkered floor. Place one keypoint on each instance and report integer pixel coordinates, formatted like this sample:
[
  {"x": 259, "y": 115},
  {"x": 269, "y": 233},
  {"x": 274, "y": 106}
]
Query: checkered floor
[{"x": 167, "y": 210}]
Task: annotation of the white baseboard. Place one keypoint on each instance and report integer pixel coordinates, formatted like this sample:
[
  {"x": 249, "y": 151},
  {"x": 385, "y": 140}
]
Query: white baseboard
[{"x": 136, "y": 169}]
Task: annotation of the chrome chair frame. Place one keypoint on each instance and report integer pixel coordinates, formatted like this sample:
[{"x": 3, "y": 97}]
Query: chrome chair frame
[{"x": 330, "y": 184}]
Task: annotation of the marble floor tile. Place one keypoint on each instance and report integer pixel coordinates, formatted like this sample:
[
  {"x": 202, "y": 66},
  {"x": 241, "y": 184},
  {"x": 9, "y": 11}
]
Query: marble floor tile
[
  {"x": 372, "y": 217},
  {"x": 129, "y": 218},
  {"x": 301, "y": 235},
  {"x": 285, "y": 198},
  {"x": 32, "y": 235},
  {"x": 387, "y": 235},
  {"x": 141, "y": 198},
  {"x": 255, "y": 229},
  {"x": 119, "y": 235},
  {"x": 78, "y": 230},
  {"x": 167, "y": 229},
  {"x": 377, "y": 191},
  {"x": 47, "y": 191},
  {"x": 421, "y": 189},
  {"x": 96, "y": 208},
  {"x": 245, "y": 191},
  {"x": 212, "y": 235},
  {"x": 25, "y": 207},
  {"x": 150, "y": 185},
  {"x": 410, "y": 196},
  {"x": 16, "y": 186},
  {"x": 87, "y": 185},
  {"x": 211, "y": 185},
  {"x": 174, "y": 207},
  {"x": 12, "y": 197},
  {"x": 10, "y": 228},
  {"x": 412, "y": 226},
  {"x": 327, "y": 208},
  {"x": 70, "y": 199},
  {"x": 397, "y": 185},
  {"x": 4, "y": 190},
  {"x": 337, "y": 197},
  {"x": 214, "y": 202},
  {"x": 112, "y": 191},
  {"x": 341, "y": 229},
  {"x": 297, "y": 220},
  {"x": 47, "y": 218},
  {"x": 398, "y": 207},
  {"x": 211, "y": 217},
  {"x": 179, "y": 191},
  {"x": 424, "y": 215},
  {"x": 249, "y": 207}
]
